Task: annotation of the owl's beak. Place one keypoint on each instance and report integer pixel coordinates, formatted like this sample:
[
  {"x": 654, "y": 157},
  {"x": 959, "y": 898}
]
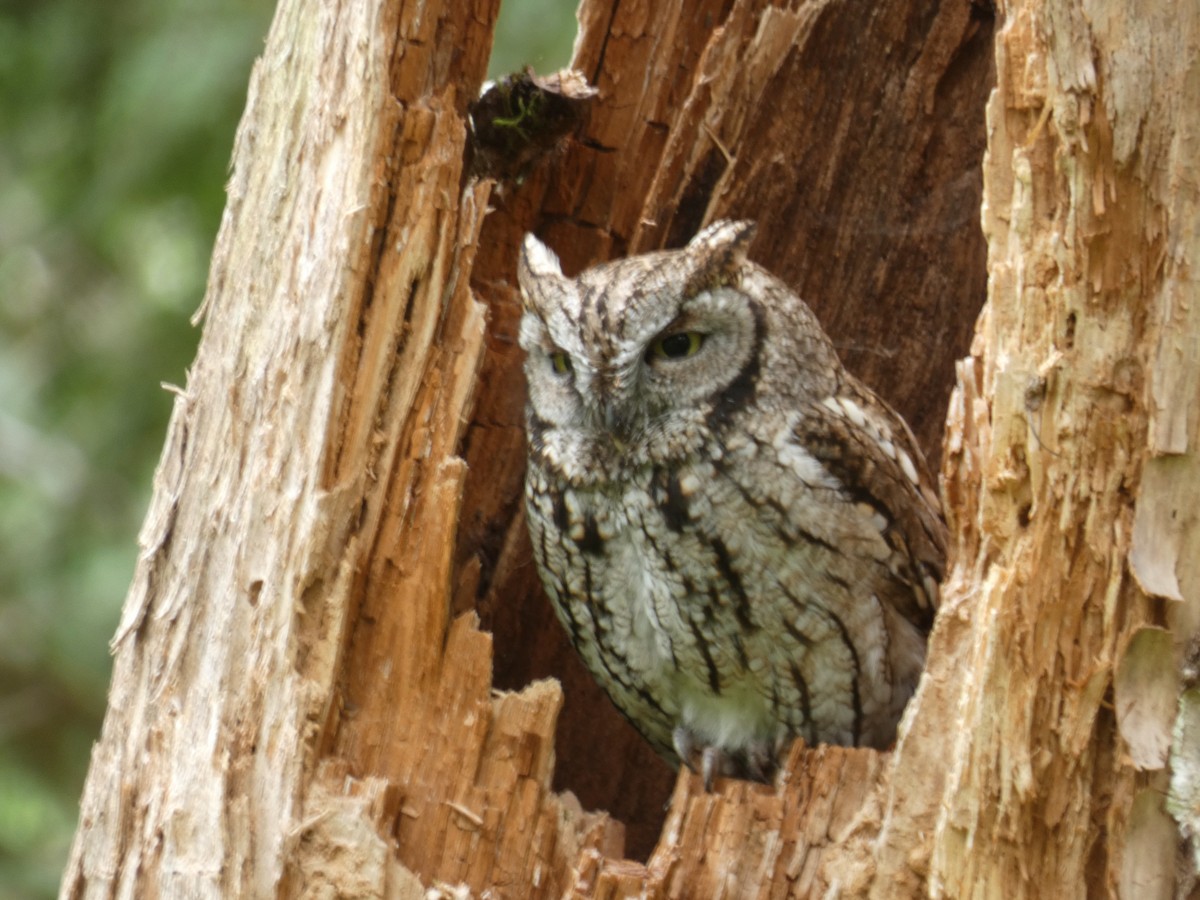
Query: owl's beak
[
  {"x": 614, "y": 408},
  {"x": 617, "y": 424}
]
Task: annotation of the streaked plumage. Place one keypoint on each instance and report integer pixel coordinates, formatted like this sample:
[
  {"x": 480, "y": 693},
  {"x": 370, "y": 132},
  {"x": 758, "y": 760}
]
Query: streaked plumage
[{"x": 741, "y": 539}]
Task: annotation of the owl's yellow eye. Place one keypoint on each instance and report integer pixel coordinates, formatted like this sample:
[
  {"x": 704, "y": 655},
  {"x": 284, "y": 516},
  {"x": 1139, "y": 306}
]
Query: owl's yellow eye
[
  {"x": 561, "y": 362},
  {"x": 679, "y": 345}
]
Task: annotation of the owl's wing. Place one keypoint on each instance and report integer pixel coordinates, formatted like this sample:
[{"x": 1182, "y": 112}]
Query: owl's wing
[{"x": 866, "y": 446}]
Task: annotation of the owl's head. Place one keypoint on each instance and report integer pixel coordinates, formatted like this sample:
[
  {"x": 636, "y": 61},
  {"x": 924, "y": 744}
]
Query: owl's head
[{"x": 628, "y": 345}]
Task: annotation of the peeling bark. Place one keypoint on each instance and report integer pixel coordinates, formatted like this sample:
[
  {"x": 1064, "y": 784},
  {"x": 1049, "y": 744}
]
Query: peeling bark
[{"x": 334, "y": 574}]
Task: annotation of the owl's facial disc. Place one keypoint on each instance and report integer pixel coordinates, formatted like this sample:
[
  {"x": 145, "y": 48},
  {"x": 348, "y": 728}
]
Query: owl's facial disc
[
  {"x": 634, "y": 350},
  {"x": 610, "y": 390}
]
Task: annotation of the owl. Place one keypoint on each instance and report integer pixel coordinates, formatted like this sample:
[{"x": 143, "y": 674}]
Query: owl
[{"x": 743, "y": 542}]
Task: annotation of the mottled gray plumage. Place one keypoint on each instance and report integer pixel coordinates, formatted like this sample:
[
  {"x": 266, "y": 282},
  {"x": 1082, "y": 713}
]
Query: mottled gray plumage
[{"x": 741, "y": 539}]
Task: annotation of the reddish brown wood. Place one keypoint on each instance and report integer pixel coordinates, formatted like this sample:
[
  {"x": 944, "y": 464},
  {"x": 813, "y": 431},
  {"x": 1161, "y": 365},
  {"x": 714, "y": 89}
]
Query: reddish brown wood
[{"x": 853, "y": 132}]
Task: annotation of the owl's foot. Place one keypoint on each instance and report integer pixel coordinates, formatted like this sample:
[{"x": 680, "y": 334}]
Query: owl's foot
[
  {"x": 686, "y": 747},
  {"x": 755, "y": 762}
]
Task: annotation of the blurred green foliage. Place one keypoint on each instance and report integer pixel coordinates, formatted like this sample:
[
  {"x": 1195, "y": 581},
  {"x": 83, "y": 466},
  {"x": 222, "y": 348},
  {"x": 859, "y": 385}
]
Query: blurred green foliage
[
  {"x": 536, "y": 33},
  {"x": 117, "y": 123},
  {"x": 116, "y": 126}
]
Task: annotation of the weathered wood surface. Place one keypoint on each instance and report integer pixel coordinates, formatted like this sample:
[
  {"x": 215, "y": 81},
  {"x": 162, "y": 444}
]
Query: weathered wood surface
[
  {"x": 291, "y": 699},
  {"x": 1072, "y": 396},
  {"x": 302, "y": 700}
]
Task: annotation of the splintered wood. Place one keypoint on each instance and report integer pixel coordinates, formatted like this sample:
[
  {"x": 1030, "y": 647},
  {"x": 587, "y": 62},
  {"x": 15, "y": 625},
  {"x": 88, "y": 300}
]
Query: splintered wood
[{"x": 335, "y": 578}]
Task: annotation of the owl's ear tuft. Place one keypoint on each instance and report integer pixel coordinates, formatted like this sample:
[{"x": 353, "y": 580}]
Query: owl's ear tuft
[
  {"x": 720, "y": 252},
  {"x": 540, "y": 275},
  {"x": 537, "y": 262},
  {"x": 729, "y": 235}
]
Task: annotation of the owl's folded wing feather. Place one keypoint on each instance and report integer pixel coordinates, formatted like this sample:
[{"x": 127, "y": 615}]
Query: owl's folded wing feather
[{"x": 864, "y": 444}]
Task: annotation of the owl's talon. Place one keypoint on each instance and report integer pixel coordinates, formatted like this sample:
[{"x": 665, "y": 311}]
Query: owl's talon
[
  {"x": 756, "y": 761},
  {"x": 712, "y": 759},
  {"x": 761, "y": 762},
  {"x": 684, "y": 745},
  {"x": 710, "y": 762}
]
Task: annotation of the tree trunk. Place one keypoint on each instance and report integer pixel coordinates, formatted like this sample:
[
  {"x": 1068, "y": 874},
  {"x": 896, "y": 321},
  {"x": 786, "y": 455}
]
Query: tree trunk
[{"x": 334, "y": 572}]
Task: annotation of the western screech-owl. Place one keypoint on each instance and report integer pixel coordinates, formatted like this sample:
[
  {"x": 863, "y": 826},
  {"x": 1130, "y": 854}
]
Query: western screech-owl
[{"x": 742, "y": 541}]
